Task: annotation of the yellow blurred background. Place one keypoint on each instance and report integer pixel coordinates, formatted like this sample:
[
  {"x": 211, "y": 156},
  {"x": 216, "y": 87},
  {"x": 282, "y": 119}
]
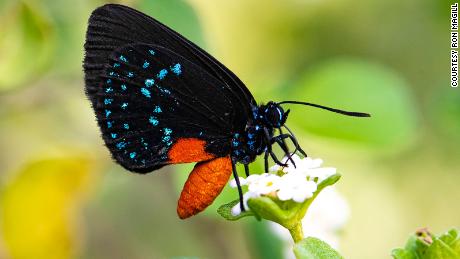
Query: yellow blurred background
[{"x": 61, "y": 196}]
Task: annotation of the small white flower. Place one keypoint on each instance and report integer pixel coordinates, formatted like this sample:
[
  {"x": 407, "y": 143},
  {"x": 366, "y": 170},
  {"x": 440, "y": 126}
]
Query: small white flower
[
  {"x": 264, "y": 184},
  {"x": 297, "y": 183},
  {"x": 295, "y": 187}
]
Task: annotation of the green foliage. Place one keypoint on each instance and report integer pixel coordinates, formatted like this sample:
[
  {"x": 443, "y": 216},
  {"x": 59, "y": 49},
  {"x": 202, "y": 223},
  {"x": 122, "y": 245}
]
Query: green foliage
[
  {"x": 314, "y": 248},
  {"x": 423, "y": 245},
  {"x": 26, "y": 43},
  {"x": 355, "y": 85}
]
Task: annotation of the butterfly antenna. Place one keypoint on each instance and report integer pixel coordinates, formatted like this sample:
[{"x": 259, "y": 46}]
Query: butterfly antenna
[{"x": 354, "y": 114}]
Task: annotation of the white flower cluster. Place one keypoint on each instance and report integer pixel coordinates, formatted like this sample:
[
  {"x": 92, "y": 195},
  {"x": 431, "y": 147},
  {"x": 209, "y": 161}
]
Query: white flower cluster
[{"x": 286, "y": 183}]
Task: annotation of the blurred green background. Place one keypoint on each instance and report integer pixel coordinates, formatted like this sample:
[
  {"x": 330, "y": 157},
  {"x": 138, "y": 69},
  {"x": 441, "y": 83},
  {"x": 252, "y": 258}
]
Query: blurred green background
[{"x": 61, "y": 196}]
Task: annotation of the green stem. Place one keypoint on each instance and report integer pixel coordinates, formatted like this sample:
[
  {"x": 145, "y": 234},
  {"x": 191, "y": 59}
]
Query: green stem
[{"x": 296, "y": 232}]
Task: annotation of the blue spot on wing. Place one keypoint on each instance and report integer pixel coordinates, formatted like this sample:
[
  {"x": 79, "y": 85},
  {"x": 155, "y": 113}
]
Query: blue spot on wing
[
  {"x": 132, "y": 155},
  {"x": 108, "y": 101},
  {"x": 122, "y": 58},
  {"x": 146, "y": 65},
  {"x": 167, "y": 131},
  {"x": 176, "y": 69},
  {"x": 153, "y": 121},
  {"x": 126, "y": 126},
  {"x": 162, "y": 74},
  {"x": 123, "y": 87},
  {"x": 145, "y": 92},
  {"x": 107, "y": 113},
  {"x": 124, "y": 105},
  {"x": 121, "y": 145},
  {"x": 149, "y": 82},
  {"x": 157, "y": 109},
  {"x": 151, "y": 52}
]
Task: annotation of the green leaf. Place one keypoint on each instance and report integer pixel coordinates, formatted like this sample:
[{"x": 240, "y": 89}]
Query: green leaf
[
  {"x": 452, "y": 239},
  {"x": 440, "y": 250},
  {"x": 419, "y": 246},
  {"x": 314, "y": 248},
  {"x": 400, "y": 253},
  {"x": 226, "y": 211}
]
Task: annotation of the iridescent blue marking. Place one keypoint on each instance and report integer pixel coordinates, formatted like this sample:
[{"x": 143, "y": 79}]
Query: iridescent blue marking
[
  {"x": 153, "y": 121},
  {"x": 143, "y": 161},
  {"x": 109, "y": 90},
  {"x": 151, "y": 52},
  {"x": 114, "y": 135},
  {"x": 257, "y": 127},
  {"x": 149, "y": 82},
  {"x": 121, "y": 145},
  {"x": 146, "y": 65},
  {"x": 162, "y": 74},
  {"x": 122, "y": 58},
  {"x": 109, "y": 124},
  {"x": 116, "y": 65},
  {"x": 167, "y": 131},
  {"x": 132, "y": 155},
  {"x": 145, "y": 92},
  {"x": 176, "y": 69},
  {"x": 123, "y": 87},
  {"x": 130, "y": 74},
  {"x": 157, "y": 109},
  {"x": 126, "y": 126},
  {"x": 250, "y": 135},
  {"x": 107, "y": 113},
  {"x": 201, "y": 133},
  {"x": 124, "y": 105},
  {"x": 166, "y": 138},
  {"x": 108, "y": 101},
  {"x": 109, "y": 81},
  {"x": 235, "y": 143}
]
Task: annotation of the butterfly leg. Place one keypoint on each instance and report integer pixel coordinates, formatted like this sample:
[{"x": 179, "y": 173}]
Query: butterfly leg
[
  {"x": 266, "y": 160},
  {"x": 269, "y": 140},
  {"x": 280, "y": 141},
  {"x": 294, "y": 140},
  {"x": 238, "y": 185},
  {"x": 246, "y": 169}
]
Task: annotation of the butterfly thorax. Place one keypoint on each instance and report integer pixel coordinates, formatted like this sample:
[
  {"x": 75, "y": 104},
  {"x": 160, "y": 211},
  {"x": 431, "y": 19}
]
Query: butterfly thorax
[{"x": 253, "y": 141}]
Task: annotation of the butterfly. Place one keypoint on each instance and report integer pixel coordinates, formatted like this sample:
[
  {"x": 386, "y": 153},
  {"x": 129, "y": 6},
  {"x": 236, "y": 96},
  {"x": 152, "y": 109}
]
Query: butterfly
[{"x": 159, "y": 99}]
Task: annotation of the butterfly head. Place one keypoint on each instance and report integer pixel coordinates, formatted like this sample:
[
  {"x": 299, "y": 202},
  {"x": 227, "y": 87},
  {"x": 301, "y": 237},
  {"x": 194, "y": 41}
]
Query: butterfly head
[{"x": 273, "y": 114}]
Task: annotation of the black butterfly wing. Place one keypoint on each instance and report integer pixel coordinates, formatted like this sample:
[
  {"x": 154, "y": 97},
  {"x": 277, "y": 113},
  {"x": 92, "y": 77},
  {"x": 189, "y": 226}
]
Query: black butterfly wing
[
  {"x": 112, "y": 26},
  {"x": 155, "y": 108}
]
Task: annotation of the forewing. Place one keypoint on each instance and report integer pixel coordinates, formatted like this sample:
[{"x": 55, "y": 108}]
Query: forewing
[
  {"x": 155, "y": 108},
  {"x": 112, "y": 26}
]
